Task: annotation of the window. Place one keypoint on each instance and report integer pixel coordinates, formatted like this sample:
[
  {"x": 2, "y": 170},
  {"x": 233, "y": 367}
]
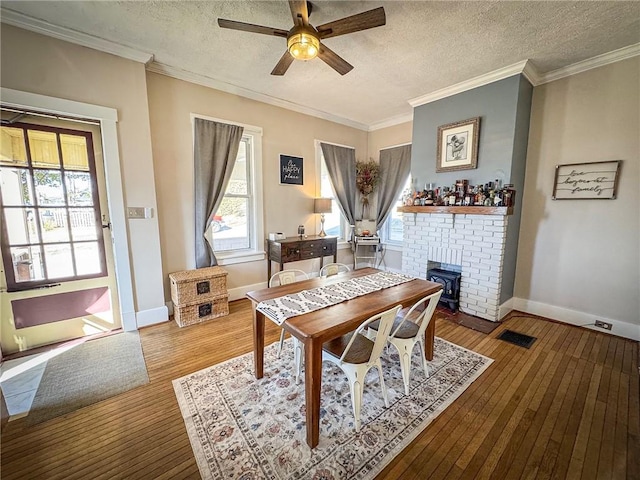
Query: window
[
  {"x": 51, "y": 224},
  {"x": 393, "y": 228},
  {"x": 236, "y": 231},
  {"x": 334, "y": 223}
]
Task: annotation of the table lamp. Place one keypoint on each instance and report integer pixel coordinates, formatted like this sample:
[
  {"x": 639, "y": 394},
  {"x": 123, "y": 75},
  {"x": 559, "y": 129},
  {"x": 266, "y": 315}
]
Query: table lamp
[{"x": 322, "y": 206}]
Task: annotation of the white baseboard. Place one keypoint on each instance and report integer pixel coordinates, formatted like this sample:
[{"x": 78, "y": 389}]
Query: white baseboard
[
  {"x": 240, "y": 292},
  {"x": 152, "y": 316},
  {"x": 505, "y": 308},
  {"x": 574, "y": 317}
]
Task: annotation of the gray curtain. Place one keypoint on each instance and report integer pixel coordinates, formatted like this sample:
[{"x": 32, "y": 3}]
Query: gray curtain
[
  {"x": 341, "y": 165},
  {"x": 215, "y": 151},
  {"x": 395, "y": 166}
]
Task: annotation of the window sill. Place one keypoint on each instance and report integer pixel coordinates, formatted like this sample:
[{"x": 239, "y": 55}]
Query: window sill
[{"x": 231, "y": 258}]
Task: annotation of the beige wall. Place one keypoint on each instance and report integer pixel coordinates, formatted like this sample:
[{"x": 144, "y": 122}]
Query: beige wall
[
  {"x": 583, "y": 255},
  {"x": 43, "y": 65},
  {"x": 171, "y": 102},
  {"x": 381, "y": 139}
]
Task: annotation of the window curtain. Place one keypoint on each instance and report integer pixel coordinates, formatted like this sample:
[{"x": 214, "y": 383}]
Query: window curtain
[
  {"x": 215, "y": 151},
  {"x": 395, "y": 166},
  {"x": 341, "y": 165}
]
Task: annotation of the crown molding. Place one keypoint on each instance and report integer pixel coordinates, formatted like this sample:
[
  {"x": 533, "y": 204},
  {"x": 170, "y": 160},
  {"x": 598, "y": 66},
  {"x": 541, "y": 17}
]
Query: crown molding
[
  {"x": 590, "y": 63},
  {"x": 169, "y": 71},
  {"x": 391, "y": 122},
  {"x": 524, "y": 67},
  {"x": 20, "y": 20}
]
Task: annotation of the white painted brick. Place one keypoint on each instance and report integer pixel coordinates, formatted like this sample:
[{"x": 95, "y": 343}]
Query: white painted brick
[
  {"x": 483, "y": 244},
  {"x": 482, "y": 255},
  {"x": 456, "y": 236},
  {"x": 488, "y": 222},
  {"x": 465, "y": 264},
  {"x": 474, "y": 238},
  {"x": 495, "y": 228}
]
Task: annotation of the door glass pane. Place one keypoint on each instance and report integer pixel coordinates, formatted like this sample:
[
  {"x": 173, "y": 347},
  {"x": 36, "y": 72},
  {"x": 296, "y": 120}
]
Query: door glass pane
[
  {"x": 229, "y": 227},
  {"x": 44, "y": 149},
  {"x": 53, "y": 222},
  {"x": 59, "y": 260},
  {"x": 87, "y": 258},
  {"x": 74, "y": 152},
  {"x": 79, "y": 192},
  {"x": 12, "y": 148},
  {"x": 83, "y": 224},
  {"x": 48, "y": 185},
  {"x": 16, "y": 186},
  {"x": 27, "y": 264},
  {"x": 21, "y": 226}
]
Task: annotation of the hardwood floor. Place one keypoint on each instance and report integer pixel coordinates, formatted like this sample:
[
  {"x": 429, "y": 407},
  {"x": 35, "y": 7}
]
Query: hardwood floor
[{"x": 566, "y": 408}]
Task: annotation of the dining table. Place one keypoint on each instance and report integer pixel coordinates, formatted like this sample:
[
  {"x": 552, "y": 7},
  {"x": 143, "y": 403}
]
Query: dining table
[{"x": 320, "y": 326}]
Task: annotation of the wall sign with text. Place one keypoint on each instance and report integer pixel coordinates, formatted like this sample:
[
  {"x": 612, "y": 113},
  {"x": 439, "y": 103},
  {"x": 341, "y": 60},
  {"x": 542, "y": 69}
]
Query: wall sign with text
[
  {"x": 291, "y": 170},
  {"x": 586, "y": 181}
]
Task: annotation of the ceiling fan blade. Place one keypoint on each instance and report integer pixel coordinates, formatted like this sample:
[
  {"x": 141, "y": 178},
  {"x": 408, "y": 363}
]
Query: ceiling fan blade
[
  {"x": 354, "y": 23},
  {"x": 335, "y": 61},
  {"x": 250, "y": 27},
  {"x": 283, "y": 64},
  {"x": 299, "y": 12}
]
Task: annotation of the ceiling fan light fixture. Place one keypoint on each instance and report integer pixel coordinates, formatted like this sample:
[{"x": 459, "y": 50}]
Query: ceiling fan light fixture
[{"x": 303, "y": 45}]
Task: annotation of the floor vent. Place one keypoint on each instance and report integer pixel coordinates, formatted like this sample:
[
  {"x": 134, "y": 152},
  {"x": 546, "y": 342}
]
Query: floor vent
[{"x": 516, "y": 338}]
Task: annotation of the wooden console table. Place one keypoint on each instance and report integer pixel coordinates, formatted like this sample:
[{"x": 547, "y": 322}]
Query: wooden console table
[{"x": 295, "y": 249}]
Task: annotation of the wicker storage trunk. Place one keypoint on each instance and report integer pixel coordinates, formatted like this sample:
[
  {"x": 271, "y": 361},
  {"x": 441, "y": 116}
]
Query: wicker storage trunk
[{"x": 199, "y": 295}]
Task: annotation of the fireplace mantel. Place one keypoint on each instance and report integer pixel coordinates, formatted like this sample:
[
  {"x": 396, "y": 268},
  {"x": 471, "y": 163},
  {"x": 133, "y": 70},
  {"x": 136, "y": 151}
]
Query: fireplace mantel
[{"x": 459, "y": 210}]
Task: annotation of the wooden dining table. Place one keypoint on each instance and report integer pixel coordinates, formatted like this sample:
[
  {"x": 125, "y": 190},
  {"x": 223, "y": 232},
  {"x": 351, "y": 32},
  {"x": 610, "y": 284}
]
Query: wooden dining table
[{"x": 317, "y": 327}]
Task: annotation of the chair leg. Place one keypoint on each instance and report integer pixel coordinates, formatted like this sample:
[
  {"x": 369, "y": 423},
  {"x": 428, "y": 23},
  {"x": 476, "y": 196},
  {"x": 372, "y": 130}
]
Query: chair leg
[
  {"x": 405, "y": 367},
  {"x": 281, "y": 343},
  {"x": 425, "y": 364},
  {"x": 356, "y": 400},
  {"x": 378, "y": 365},
  {"x": 297, "y": 359}
]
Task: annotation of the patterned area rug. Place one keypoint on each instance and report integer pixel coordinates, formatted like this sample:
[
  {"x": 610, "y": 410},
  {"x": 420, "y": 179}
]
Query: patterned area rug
[{"x": 244, "y": 428}]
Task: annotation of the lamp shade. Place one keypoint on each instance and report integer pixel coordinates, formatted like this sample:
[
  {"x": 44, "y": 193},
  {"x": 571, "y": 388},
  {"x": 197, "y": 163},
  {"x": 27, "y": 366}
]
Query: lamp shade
[{"x": 322, "y": 205}]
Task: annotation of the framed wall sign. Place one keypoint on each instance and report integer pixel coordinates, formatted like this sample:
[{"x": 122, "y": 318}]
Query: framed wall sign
[
  {"x": 291, "y": 170},
  {"x": 586, "y": 181},
  {"x": 458, "y": 145}
]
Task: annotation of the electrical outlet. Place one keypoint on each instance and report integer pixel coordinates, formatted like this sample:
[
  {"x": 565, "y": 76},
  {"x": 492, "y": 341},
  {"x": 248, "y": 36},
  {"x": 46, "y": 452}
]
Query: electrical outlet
[{"x": 605, "y": 325}]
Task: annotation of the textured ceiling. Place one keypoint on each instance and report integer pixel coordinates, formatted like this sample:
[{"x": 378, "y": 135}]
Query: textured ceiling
[{"x": 424, "y": 47}]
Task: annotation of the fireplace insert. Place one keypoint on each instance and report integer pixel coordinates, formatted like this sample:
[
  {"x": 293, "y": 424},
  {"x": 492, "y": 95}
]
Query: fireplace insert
[{"x": 450, "y": 282}]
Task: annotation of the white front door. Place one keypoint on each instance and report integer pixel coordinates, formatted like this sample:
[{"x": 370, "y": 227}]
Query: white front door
[{"x": 56, "y": 244}]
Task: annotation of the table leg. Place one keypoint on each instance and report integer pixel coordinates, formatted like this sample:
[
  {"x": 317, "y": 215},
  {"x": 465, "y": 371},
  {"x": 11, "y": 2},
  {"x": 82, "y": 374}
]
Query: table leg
[
  {"x": 429, "y": 333},
  {"x": 312, "y": 386},
  {"x": 258, "y": 342}
]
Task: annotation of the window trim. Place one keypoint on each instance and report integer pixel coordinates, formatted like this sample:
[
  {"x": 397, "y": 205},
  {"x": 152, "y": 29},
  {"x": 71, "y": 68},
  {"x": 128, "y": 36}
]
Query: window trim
[
  {"x": 12, "y": 284},
  {"x": 256, "y": 251}
]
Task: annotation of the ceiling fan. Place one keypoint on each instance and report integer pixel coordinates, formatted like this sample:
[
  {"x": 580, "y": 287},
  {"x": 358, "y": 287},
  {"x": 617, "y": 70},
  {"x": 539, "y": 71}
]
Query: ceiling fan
[{"x": 304, "y": 40}]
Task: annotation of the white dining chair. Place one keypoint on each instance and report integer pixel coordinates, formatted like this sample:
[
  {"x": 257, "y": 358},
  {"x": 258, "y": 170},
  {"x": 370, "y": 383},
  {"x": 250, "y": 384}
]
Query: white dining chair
[
  {"x": 333, "y": 269},
  {"x": 284, "y": 277},
  {"x": 356, "y": 354},
  {"x": 408, "y": 330}
]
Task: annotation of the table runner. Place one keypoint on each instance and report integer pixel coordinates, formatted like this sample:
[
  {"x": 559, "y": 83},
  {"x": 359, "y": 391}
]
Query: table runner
[{"x": 281, "y": 308}]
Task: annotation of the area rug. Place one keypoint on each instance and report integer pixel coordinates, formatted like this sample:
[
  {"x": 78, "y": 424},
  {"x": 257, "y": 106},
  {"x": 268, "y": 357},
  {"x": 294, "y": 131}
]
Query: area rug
[
  {"x": 88, "y": 373},
  {"x": 244, "y": 428}
]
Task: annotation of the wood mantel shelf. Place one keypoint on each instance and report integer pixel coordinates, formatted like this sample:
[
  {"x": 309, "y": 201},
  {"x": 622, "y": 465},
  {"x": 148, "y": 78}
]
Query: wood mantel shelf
[{"x": 461, "y": 210}]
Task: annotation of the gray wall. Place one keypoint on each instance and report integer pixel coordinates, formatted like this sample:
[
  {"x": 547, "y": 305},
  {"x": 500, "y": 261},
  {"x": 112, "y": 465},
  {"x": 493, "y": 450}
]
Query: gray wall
[
  {"x": 518, "y": 164},
  {"x": 504, "y": 109}
]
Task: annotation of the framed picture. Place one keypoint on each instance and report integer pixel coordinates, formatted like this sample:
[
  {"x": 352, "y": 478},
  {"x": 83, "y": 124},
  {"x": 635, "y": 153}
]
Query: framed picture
[
  {"x": 586, "y": 181},
  {"x": 290, "y": 170},
  {"x": 458, "y": 145}
]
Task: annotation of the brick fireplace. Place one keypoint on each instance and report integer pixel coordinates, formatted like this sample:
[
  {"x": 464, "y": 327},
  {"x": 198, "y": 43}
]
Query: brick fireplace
[{"x": 473, "y": 244}]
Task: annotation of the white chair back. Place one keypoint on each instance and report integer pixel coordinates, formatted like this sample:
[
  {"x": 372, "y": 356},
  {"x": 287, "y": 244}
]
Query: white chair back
[
  {"x": 286, "y": 277},
  {"x": 386, "y": 322},
  {"x": 425, "y": 317},
  {"x": 333, "y": 269}
]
